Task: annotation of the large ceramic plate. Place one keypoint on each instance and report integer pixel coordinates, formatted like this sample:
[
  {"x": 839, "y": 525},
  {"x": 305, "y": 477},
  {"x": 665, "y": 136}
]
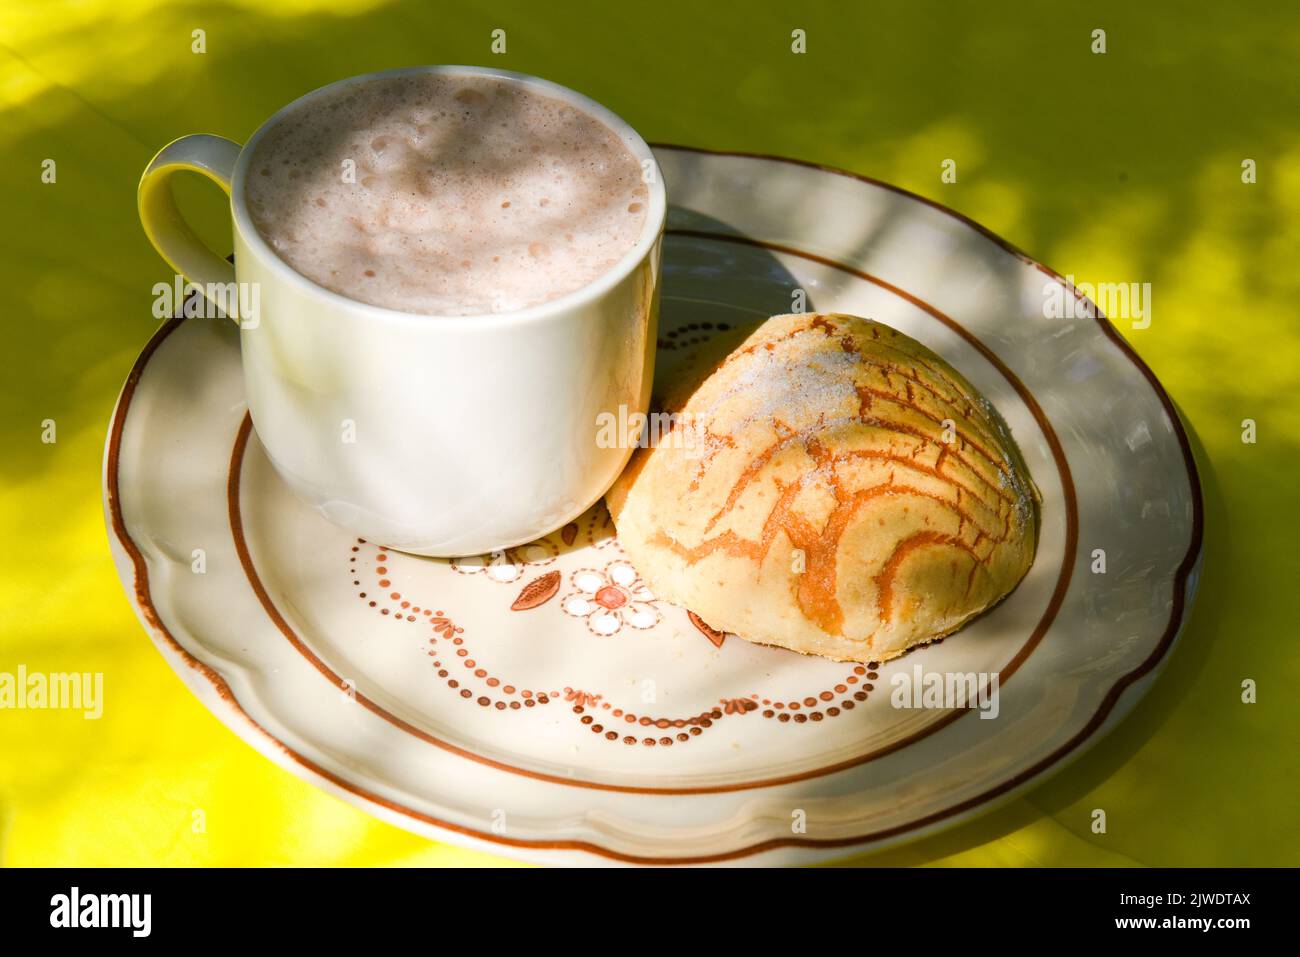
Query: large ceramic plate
[{"x": 543, "y": 703}]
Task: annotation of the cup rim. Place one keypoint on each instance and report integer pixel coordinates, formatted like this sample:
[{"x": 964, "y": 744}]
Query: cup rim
[{"x": 656, "y": 214}]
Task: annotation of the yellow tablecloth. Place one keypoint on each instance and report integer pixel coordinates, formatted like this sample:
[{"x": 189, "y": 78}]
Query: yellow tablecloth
[{"x": 1122, "y": 166}]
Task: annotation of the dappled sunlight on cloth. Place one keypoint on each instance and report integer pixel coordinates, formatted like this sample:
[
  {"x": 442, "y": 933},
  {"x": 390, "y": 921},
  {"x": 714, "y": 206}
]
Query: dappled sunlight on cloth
[{"x": 1117, "y": 168}]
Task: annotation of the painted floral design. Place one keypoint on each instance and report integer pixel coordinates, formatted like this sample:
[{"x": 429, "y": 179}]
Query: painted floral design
[
  {"x": 583, "y": 699},
  {"x": 611, "y": 598},
  {"x": 507, "y": 565},
  {"x": 445, "y": 626},
  {"x": 601, "y": 530}
]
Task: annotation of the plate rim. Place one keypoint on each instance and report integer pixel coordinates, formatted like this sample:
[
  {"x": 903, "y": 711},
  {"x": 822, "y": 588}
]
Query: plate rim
[{"x": 1182, "y": 586}]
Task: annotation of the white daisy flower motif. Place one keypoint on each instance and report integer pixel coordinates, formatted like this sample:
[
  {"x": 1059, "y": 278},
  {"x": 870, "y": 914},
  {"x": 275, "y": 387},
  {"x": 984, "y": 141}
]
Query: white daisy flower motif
[
  {"x": 507, "y": 565},
  {"x": 610, "y": 599}
]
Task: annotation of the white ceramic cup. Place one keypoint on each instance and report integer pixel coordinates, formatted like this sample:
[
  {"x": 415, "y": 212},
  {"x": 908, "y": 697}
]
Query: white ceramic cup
[{"x": 438, "y": 435}]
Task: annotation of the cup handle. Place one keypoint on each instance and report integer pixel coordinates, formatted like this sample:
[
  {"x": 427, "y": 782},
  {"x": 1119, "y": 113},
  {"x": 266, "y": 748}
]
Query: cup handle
[{"x": 214, "y": 157}]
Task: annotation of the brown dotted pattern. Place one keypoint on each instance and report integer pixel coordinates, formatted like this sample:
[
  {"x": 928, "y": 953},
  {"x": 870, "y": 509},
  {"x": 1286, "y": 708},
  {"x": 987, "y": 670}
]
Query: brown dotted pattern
[
  {"x": 823, "y": 706},
  {"x": 688, "y": 335},
  {"x": 448, "y": 632},
  {"x": 458, "y": 666}
]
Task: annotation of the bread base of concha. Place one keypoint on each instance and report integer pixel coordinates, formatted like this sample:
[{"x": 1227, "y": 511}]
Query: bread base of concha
[{"x": 833, "y": 487}]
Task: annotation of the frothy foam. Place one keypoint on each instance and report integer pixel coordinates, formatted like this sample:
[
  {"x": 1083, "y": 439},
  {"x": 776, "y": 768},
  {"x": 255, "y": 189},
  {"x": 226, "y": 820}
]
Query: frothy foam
[{"x": 446, "y": 195}]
